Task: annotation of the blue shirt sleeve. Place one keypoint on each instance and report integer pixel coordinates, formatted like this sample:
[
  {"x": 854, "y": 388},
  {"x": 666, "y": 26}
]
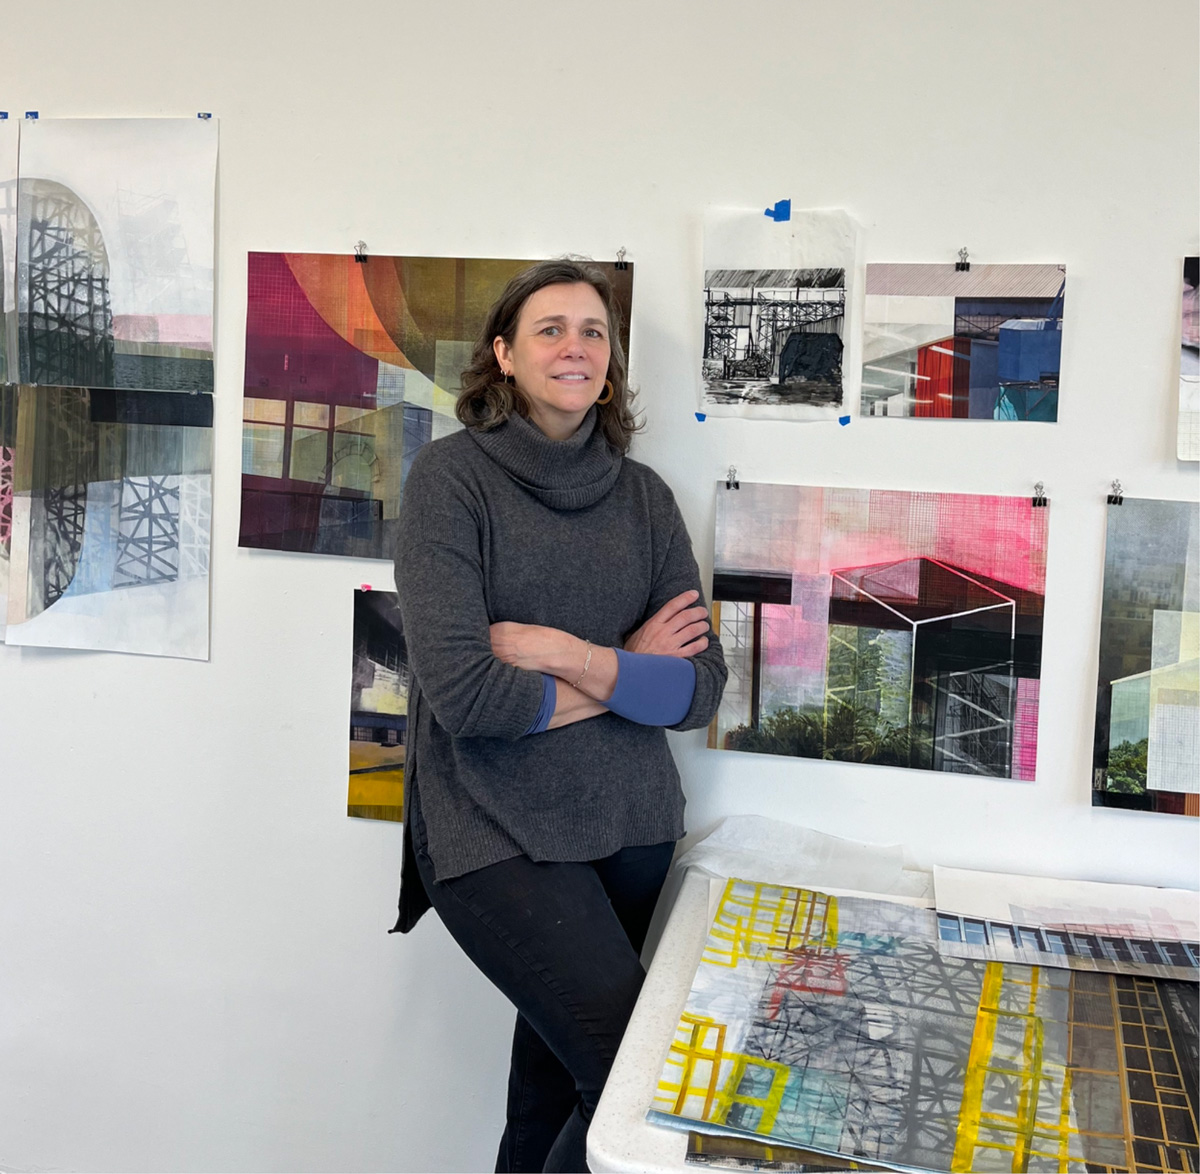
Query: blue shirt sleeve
[
  {"x": 652, "y": 690},
  {"x": 546, "y": 709}
]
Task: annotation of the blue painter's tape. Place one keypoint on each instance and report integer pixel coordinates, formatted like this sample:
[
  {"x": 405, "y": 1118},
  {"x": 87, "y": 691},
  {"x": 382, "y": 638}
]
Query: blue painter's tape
[
  {"x": 701, "y": 417},
  {"x": 3, "y": 115},
  {"x": 781, "y": 212},
  {"x": 31, "y": 115},
  {"x": 843, "y": 420}
]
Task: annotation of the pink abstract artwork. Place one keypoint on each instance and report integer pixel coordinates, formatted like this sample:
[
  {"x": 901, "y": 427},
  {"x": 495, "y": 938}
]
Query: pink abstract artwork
[{"x": 882, "y": 626}]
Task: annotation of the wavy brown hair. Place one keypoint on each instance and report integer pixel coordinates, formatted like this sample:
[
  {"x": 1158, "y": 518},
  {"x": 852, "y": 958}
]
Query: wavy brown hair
[{"x": 486, "y": 400}]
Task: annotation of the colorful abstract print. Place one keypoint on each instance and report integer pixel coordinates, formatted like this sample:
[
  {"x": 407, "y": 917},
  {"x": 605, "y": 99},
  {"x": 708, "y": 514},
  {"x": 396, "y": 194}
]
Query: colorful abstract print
[
  {"x": 351, "y": 367},
  {"x": 1146, "y": 755},
  {"x": 878, "y": 626},
  {"x": 834, "y": 1024},
  {"x": 979, "y": 344}
]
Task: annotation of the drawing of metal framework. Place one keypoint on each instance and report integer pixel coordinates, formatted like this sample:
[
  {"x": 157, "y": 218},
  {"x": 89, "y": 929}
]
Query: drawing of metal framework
[
  {"x": 61, "y": 463},
  {"x": 63, "y": 287},
  {"x": 879, "y": 1055},
  {"x": 195, "y": 525},
  {"x": 975, "y": 711},
  {"x": 741, "y": 326},
  {"x": 769, "y": 921},
  {"x": 8, "y": 222},
  {"x": 148, "y": 546},
  {"x": 689, "y": 1081},
  {"x": 1016, "y": 1097},
  {"x": 64, "y": 508},
  {"x": 972, "y": 710},
  {"x": 6, "y": 495}
]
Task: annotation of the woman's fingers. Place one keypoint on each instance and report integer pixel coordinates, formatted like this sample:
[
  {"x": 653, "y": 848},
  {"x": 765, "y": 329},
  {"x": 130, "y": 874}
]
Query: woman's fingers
[
  {"x": 698, "y": 645},
  {"x": 688, "y": 619},
  {"x": 673, "y": 606},
  {"x": 700, "y": 628}
]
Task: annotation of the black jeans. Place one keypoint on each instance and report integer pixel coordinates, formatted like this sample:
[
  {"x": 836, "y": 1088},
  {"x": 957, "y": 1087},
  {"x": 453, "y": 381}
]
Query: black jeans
[{"x": 561, "y": 941}]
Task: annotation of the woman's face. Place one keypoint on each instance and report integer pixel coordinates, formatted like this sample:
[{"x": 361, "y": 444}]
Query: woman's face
[{"x": 559, "y": 355}]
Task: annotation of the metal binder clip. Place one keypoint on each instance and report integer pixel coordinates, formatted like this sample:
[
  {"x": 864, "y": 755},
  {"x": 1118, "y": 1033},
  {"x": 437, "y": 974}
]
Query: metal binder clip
[
  {"x": 1039, "y": 495},
  {"x": 731, "y": 479},
  {"x": 962, "y": 265},
  {"x": 621, "y": 262},
  {"x": 1117, "y": 496},
  {"x": 360, "y": 252}
]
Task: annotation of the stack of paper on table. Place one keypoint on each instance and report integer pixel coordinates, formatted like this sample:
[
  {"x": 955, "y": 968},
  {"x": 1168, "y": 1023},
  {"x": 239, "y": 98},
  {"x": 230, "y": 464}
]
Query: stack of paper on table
[{"x": 842, "y": 1025}]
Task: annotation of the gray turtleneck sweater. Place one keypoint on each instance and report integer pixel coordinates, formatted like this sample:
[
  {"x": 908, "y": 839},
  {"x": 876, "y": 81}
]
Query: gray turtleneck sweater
[{"x": 509, "y": 525}]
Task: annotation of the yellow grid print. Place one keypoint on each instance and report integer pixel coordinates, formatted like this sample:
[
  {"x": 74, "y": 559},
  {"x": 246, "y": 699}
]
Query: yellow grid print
[
  {"x": 766, "y": 921},
  {"x": 767, "y": 1104},
  {"x": 688, "y": 1084},
  {"x": 1007, "y": 1051}
]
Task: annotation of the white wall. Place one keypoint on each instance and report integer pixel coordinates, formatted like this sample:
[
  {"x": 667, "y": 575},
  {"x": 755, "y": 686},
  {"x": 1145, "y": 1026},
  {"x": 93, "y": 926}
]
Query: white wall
[{"x": 194, "y": 973}]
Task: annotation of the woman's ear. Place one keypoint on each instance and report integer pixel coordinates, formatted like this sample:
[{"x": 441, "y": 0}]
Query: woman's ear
[{"x": 501, "y": 350}]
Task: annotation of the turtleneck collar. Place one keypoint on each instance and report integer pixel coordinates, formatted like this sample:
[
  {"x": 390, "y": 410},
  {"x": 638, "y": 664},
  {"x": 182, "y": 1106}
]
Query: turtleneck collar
[{"x": 566, "y": 474}]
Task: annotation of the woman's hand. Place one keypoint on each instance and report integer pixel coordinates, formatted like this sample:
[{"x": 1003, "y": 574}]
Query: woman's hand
[
  {"x": 529, "y": 646},
  {"x": 591, "y": 668},
  {"x": 676, "y": 629}
]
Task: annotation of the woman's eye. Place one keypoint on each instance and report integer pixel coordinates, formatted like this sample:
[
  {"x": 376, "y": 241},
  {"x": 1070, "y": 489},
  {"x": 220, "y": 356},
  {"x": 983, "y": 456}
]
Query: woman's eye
[{"x": 549, "y": 329}]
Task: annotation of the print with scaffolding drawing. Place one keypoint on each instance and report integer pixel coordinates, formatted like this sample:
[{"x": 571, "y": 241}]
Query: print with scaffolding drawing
[{"x": 774, "y": 335}]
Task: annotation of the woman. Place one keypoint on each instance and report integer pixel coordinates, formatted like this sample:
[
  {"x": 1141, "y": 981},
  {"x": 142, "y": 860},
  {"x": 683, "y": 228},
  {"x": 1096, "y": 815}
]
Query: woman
[{"x": 554, "y": 624}]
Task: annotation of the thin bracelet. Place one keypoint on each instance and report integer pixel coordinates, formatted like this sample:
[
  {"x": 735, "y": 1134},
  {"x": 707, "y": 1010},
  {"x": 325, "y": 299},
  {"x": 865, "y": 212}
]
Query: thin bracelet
[{"x": 587, "y": 664}]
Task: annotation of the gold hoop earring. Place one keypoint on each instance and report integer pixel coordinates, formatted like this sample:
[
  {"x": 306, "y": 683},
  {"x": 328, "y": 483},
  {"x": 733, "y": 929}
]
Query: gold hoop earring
[{"x": 609, "y": 392}]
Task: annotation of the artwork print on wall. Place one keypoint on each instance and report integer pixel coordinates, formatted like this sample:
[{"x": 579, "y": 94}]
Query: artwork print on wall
[
  {"x": 775, "y": 314},
  {"x": 1189, "y": 363},
  {"x": 9, "y": 132},
  {"x": 379, "y": 688},
  {"x": 1146, "y": 755},
  {"x": 111, "y": 509},
  {"x": 350, "y": 368},
  {"x": 774, "y": 336},
  {"x": 115, "y": 249},
  {"x": 979, "y": 344},
  {"x": 8, "y": 451},
  {"x": 879, "y": 626}
]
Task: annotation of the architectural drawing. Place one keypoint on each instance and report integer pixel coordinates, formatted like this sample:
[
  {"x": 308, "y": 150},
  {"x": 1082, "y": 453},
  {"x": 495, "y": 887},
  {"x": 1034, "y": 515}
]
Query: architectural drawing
[
  {"x": 9, "y": 134},
  {"x": 115, "y": 234},
  {"x": 979, "y": 344},
  {"x": 774, "y": 336},
  {"x": 110, "y": 508},
  {"x": 895, "y": 628},
  {"x": 779, "y": 313},
  {"x": 1146, "y": 754},
  {"x": 8, "y": 451},
  {"x": 836, "y": 1025},
  {"x": 1081, "y": 925}
]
